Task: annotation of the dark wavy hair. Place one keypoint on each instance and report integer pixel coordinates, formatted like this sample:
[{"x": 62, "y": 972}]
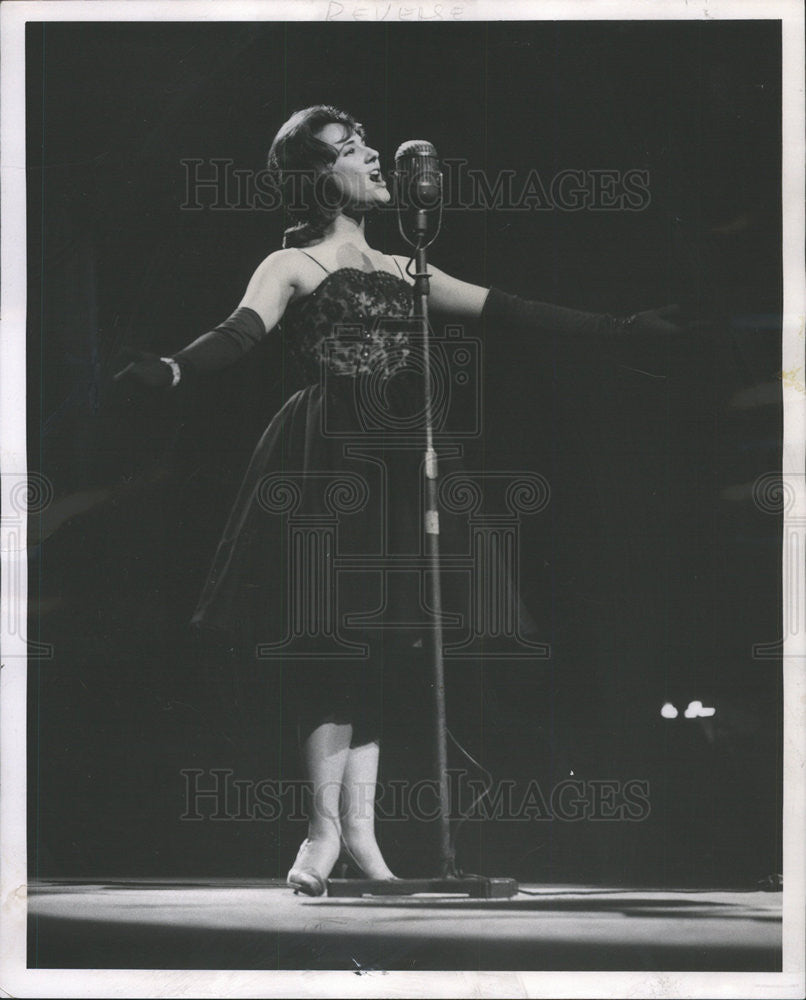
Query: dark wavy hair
[{"x": 300, "y": 166}]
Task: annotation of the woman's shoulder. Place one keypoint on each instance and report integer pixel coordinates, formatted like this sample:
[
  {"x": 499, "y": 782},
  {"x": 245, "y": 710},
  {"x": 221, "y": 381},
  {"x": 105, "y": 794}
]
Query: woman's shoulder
[
  {"x": 286, "y": 263},
  {"x": 290, "y": 268}
]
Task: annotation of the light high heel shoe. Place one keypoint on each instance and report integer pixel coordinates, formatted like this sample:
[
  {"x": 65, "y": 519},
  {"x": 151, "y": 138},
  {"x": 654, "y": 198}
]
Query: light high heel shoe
[
  {"x": 348, "y": 867},
  {"x": 303, "y": 876}
]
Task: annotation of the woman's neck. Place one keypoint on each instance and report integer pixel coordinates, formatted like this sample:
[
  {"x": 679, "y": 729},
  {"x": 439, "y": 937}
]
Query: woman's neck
[{"x": 346, "y": 229}]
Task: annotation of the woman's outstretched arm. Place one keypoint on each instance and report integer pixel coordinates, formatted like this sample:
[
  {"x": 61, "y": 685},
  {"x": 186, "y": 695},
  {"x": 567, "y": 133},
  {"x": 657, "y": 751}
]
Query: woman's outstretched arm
[
  {"x": 267, "y": 295},
  {"x": 497, "y": 308},
  {"x": 646, "y": 342},
  {"x": 451, "y": 295}
]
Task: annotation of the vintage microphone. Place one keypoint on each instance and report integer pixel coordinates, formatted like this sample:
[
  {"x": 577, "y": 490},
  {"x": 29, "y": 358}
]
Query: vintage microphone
[
  {"x": 418, "y": 189},
  {"x": 418, "y": 193}
]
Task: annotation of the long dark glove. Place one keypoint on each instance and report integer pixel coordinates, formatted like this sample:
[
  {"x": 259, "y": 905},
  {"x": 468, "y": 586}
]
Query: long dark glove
[
  {"x": 219, "y": 348},
  {"x": 542, "y": 317},
  {"x": 642, "y": 338},
  {"x": 224, "y": 345}
]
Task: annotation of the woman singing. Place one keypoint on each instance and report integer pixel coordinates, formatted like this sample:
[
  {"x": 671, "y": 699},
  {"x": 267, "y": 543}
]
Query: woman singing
[{"x": 327, "y": 291}]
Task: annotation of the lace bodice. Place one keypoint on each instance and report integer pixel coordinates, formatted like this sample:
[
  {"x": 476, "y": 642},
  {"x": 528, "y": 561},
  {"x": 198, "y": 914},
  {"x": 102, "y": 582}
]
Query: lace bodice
[{"x": 353, "y": 322}]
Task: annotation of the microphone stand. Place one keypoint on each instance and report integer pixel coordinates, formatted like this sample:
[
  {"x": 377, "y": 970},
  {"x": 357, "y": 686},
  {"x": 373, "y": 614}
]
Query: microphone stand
[
  {"x": 449, "y": 881},
  {"x": 447, "y": 861}
]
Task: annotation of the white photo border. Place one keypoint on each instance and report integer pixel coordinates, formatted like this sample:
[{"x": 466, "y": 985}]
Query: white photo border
[{"x": 15, "y": 978}]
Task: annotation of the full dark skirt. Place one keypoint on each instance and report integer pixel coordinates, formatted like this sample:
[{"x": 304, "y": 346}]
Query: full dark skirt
[{"x": 322, "y": 565}]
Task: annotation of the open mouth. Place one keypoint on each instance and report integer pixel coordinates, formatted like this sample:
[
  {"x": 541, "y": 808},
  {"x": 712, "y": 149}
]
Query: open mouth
[{"x": 377, "y": 176}]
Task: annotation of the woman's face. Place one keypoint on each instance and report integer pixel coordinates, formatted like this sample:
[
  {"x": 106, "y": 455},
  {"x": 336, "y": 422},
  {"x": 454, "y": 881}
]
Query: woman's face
[{"x": 357, "y": 169}]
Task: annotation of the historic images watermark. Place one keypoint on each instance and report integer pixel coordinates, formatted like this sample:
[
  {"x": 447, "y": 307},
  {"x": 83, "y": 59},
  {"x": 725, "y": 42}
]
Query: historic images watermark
[
  {"x": 375, "y": 429},
  {"x": 375, "y": 426},
  {"x": 218, "y": 795},
  {"x": 383, "y": 352},
  {"x": 379, "y": 426},
  {"x": 776, "y": 494},
  {"x": 489, "y": 623},
  {"x": 217, "y": 184},
  {"x": 24, "y": 496}
]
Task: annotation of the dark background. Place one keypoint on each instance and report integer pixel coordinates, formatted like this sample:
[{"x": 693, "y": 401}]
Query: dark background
[{"x": 651, "y": 582}]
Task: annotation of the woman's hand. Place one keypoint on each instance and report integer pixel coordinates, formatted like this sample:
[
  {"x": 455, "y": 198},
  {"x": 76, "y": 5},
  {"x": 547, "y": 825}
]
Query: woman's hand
[
  {"x": 663, "y": 320},
  {"x": 146, "y": 368}
]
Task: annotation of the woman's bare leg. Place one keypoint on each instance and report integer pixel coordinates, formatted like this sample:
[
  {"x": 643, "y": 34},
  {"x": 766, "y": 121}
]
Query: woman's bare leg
[
  {"x": 358, "y": 810},
  {"x": 324, "y": 754}
]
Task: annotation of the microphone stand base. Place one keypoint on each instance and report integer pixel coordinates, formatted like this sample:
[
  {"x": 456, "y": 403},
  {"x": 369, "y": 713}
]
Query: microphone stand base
[{"x": 472, "y": 886}]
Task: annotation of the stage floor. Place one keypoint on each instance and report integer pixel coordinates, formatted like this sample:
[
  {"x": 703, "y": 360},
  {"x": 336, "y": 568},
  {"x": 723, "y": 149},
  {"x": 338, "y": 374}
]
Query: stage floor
[{"x": 240, "y": 924}]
